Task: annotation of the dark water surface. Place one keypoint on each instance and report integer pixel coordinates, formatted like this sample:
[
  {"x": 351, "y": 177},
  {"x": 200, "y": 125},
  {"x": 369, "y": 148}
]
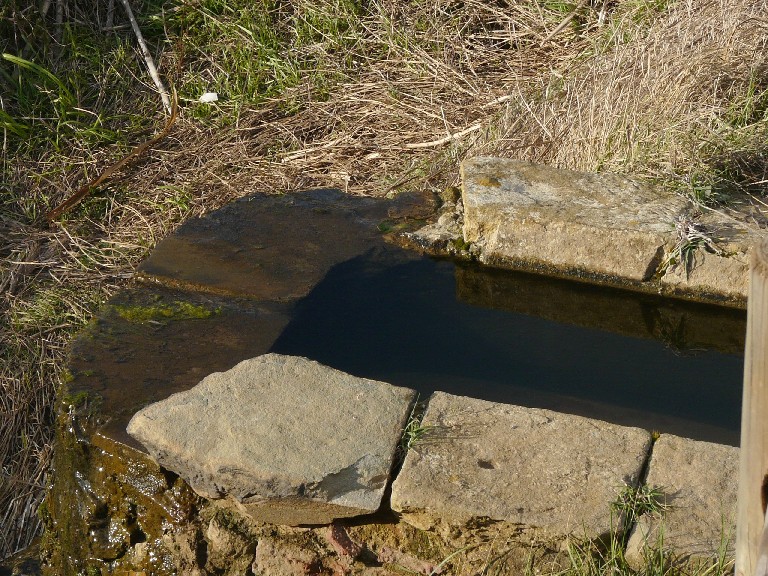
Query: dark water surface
[{"x": 516, "y": 338}]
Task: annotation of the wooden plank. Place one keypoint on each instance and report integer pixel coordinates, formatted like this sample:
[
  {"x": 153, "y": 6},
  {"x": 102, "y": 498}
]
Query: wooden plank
[{"x": 753, "y": 469}]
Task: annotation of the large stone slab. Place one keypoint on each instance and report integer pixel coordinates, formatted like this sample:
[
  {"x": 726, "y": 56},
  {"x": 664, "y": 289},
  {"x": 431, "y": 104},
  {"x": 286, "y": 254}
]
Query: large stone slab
[
  {"x": 596, "y": 224},
  {"x": 603, "y": 228},
  {"x": 284, "y": 439},
  {"x": 541, "y": 470},
  {"x": 699, "y": 482}
]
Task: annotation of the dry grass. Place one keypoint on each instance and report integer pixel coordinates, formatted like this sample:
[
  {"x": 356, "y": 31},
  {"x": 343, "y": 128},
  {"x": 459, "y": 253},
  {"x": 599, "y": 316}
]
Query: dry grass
[
  {"x": 681, "y": 99},
  {"x": 672, "y": 91}
]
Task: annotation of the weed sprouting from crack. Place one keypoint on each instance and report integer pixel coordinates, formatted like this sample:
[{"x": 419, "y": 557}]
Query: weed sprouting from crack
[
  {"x": 691, "y": 237},
  {"x": 634, "y": 501},
  {"x": 414, "y": 431}
]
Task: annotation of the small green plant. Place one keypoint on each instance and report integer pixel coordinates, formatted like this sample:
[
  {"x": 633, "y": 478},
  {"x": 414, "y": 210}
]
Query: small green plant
[
  {"x": 634, "y": 501},
  {"x": 414, "y": 431},
  {"x": 606, "y": 556},
  {"x": 692, "y": 236}
]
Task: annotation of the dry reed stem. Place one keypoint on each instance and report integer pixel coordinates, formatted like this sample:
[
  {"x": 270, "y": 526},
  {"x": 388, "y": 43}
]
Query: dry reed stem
[{"x": 655, "y": 89}]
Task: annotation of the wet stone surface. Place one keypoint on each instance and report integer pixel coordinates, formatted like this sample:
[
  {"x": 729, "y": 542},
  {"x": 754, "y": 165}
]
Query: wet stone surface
[
  {"x": 218, "y": 291},
  {"x": 684, "y": 326},
  {"x": 273, "y": 247},
  {"x": 251, "y": 279},
  {"x": 151, "y": 342}
]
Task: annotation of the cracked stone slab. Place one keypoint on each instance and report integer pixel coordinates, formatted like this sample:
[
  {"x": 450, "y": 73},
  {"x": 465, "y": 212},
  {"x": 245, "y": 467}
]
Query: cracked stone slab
[
  {"x": 281, "y": 438},
  {"x": 699, "y": 482},
  {"x": 540, "y": 470}
]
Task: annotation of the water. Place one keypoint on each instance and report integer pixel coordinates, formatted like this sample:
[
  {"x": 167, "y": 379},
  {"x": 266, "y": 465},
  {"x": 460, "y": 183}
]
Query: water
[{"x": 515, "y": 338}]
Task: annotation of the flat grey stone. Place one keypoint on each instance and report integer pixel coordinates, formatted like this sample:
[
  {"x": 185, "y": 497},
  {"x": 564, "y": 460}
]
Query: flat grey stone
[
  {"x": 699, "y": 481},
  {"x": 283, "y": 439},
  {"x": 600, "y": 227},
  {"x": 555, "y": 473},
  {"x": 600, "y": 224}
]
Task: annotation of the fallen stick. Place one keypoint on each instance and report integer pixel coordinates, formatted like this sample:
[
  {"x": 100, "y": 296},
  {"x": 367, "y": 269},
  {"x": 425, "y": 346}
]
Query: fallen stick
[
  {"x": 445, "y": 139},
  {"x": 84, "y": 191},
  {"x": 148, "y": 57}
]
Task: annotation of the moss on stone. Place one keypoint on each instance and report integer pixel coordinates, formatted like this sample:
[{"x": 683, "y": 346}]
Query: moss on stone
[
  {"x": 176, "y": 310},
  {"x": 460, "y": 244},
  {"x": 105, "y": 500}
]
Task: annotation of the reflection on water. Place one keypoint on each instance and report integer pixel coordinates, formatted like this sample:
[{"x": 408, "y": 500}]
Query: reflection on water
[
  {"x": 309, "y": 274},
  {"x": 430, "y": 325}
]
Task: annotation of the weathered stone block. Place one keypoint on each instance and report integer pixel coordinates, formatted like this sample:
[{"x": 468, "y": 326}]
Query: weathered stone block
[
  {"x": 598, "y": 224},
  {"x": 281, "y": 438},
  {"x": 603, "y": 228},
  {"x": 699, "y": 482},
  {"x": 538, "y": 469}
]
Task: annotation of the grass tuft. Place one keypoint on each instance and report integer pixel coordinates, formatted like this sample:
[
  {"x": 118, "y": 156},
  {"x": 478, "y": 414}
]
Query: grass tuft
[
  {"x": 691, "y": 238},
  {"x": 635, "y": 501},
  {"x": 414, "y": 432}
]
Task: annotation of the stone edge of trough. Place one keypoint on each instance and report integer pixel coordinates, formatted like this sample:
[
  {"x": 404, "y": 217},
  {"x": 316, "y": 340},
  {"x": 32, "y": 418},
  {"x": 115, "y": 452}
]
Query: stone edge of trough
[
  {"x": 686, "y": 499},
  {"x": 489, "y": 218},
  {"x": 438, "y": 488}
]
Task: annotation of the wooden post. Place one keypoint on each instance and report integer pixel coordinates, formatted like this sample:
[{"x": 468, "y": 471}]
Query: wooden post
[{"x": 753, "y": 463}]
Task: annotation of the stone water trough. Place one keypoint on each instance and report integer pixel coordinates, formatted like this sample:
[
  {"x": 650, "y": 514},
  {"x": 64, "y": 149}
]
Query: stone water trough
[{"x": 184, "y": 446}]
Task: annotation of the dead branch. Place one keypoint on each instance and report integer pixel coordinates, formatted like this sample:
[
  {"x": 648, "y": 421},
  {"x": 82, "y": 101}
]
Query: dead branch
[
  {"x": 84, "y": 191},
  {"x": 148, "y": 57},
  {"x": 454, "y": 136}
]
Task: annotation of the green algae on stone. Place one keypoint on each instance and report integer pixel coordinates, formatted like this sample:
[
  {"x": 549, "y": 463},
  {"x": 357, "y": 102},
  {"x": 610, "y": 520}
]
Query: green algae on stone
[
  {"x": 391, "y": 225},
  {"x": 461, "y": 245},
  {"x": 176, "y": 310},
  {"x": 109, "y": 507}
]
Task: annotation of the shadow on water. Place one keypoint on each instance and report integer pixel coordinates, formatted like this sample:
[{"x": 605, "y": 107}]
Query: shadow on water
[
  {"x": 516, "y": 338},
  {"x": 239, "y": 282}
]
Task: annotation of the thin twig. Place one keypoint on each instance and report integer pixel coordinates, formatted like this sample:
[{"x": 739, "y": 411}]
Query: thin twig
[
  {"x": 84, "y": 191},
  {"x": 148, "y": 57},
  {"x": 439, "y": 141},
  {"x": 5, "y": 130},
  {"x": 59, "y": 20},
  {"x": 109, "y": 22}
]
